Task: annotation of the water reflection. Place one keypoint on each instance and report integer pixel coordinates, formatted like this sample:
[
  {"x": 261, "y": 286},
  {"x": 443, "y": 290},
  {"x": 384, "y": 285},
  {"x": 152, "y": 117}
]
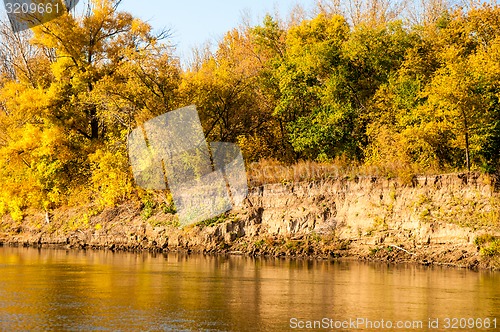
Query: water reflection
[{"x": 86, "y": 290}]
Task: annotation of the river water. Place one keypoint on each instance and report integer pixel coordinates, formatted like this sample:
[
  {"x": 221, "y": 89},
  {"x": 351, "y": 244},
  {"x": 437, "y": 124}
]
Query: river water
[{"x": 105, "y": 291}]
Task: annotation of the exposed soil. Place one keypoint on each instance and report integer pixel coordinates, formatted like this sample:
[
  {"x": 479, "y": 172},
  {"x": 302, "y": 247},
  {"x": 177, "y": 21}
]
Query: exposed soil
[{"x": 432, "y": 223}]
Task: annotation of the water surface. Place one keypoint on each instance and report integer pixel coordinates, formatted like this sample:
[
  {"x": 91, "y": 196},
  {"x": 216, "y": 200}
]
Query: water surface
[{"x": 96, "y": 290}]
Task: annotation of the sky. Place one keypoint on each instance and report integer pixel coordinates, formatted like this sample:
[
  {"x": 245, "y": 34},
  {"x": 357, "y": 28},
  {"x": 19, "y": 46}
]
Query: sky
[{"x": 194, "y": 22}]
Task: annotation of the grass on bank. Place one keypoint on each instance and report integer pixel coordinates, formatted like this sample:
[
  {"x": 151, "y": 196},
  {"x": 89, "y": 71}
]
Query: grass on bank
[
  {"x": 488, "y": 245},
  {"x": 269, "y": 171}
]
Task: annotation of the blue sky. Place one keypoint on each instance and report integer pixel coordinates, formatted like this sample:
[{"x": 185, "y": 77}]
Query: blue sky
[{"x": 193, "y": 22}]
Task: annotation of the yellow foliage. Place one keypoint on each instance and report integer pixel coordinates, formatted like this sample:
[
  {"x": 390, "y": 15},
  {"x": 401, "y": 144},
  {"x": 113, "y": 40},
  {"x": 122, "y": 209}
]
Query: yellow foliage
[{"x": 111, "y": 180}]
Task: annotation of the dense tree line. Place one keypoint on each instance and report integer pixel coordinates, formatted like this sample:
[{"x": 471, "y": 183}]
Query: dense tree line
[{"x": 370, "y": 87}]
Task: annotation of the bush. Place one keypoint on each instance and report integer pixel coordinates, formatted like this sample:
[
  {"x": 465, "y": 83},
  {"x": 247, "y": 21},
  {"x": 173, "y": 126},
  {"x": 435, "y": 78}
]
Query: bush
[
  {"x": 489, "y": 245},
  {"x": 110, "y": 181}
]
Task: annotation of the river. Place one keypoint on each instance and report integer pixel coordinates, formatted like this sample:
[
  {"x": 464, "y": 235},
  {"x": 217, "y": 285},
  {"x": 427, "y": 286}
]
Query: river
[{"x": 58, "y": 290}]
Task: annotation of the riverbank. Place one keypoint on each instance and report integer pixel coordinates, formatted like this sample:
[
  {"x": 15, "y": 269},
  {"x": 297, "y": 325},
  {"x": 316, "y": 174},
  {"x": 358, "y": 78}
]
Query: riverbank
[{"x": 449, "y": 220}]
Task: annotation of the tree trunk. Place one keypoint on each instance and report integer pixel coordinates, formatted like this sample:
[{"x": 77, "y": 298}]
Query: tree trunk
[
  {"x": 467, "y": 156},
  {"x": 467, "y": 153},
  {"x": 94, "y": 123}
]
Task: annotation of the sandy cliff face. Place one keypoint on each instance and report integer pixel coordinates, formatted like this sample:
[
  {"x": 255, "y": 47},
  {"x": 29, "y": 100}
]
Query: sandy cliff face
[
  {"x": 435, "y": 209},
  {"x": 435, "y": 219}
]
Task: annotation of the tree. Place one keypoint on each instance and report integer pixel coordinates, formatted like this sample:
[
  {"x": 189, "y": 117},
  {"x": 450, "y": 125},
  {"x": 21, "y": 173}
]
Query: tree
[
  {"x": 225, "y": 89},
  {"x": 84, "y": 52},
  {"x": 464, "y": 91},
  {"x": 59, "y": 127}
]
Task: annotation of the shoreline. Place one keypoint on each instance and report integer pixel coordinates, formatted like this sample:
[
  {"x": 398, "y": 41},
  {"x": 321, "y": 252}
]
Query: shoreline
[
  {"x": 435, "y": 220},
  {"x": 436, "y": 255}
]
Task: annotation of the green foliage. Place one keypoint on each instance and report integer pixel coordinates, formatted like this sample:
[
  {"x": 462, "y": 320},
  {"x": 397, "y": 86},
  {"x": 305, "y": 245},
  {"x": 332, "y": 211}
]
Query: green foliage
[
  {"x": 325, "y": 133},
  {"x": 488, "y": 244},
  {"x": 259, "y": 243},
  {"x": 482, "y": 239},
  {"x": 169, "y": 208},
  {"x": 174, "y": 222},
  {"x": 404, "y": 99},
  {"x": 149, "y": 206},
  {"x": 214, "y": 221}
]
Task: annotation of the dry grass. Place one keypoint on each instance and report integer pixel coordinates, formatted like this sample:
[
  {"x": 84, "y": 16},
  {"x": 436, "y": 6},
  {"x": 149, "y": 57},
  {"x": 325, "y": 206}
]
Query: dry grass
[
  {"x": 274, "y": 171},
  {"x": 268, "y": 171}
]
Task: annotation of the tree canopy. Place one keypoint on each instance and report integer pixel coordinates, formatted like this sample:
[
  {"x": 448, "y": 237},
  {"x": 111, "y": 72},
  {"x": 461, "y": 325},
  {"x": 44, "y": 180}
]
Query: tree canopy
[{"x": 372, "y": 87}]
